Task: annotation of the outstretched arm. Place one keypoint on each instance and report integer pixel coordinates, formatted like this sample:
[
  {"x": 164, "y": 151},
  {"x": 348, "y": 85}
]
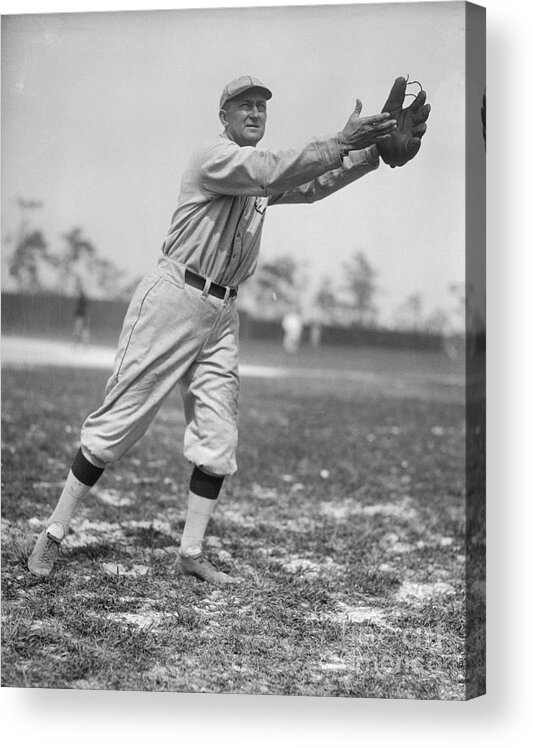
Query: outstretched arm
[
  {"x": 355, "y": 166},
  {"x": 228, "y": 169}
]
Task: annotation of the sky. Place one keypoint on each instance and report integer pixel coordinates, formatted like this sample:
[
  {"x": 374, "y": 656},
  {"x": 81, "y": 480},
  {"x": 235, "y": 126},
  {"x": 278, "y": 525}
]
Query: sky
[{"x": 101, "y": 112}]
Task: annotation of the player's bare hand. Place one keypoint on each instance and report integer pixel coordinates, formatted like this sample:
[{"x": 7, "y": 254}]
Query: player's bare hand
[{"x": 361, "y": 132}]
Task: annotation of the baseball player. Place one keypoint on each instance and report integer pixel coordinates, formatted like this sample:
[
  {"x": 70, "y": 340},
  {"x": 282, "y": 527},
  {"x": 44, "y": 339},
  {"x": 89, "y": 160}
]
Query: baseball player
[
  {"x": 181, "y": 327},
  {"x": 81, "y": 316}
]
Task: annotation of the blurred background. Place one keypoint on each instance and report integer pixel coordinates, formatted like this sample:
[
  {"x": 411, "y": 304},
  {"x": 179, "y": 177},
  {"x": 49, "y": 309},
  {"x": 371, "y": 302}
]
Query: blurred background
[{"x": 101, "y": 112}]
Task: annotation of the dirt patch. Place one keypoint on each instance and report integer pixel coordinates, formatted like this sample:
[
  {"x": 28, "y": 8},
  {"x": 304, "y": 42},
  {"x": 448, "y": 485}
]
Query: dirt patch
[
  {"x": 112, "y": 497},
  {"x": 360, "y": 614},
  {"x": 309, "y": 567},
  {"x": 422, "y": 592},
  {"x": 119, "y": 570},
  {"x": 348, "y": 507},
  {"x": 142, "y": 619}
]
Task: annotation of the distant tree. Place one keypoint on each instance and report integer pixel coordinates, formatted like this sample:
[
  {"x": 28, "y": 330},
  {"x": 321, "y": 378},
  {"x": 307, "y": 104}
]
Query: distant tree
[
  {"x": 26, "y": 261},
  {"x": 437, "y": 322},
  {"x": 80, "y": 261},
  {"x": 326, "y": 302},
  {"x": 326, "y": 299},
  {"x": 458, "y": 292},
  {"x": 409, "y": 314},
  {"x": 30, "y": 255},
  {"x": 361, "y": 288},
  {"x": 277, "y": 285},
  {"x": 33, "y": 266},
  {"x": 76, "y": 259},
  {"x": 414, "y": 310},
  {"x": 107, "y": 277},
  {"x": 28, "y": 204},
  {"x": 278, "y": 276}
]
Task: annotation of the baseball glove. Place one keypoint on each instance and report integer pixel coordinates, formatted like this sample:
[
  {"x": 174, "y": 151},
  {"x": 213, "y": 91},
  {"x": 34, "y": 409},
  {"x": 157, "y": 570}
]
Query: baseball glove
[{"x": 404, "y": 143}]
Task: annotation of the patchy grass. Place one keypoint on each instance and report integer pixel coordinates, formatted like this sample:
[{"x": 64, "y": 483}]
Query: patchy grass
[{"x": 345, "y": 521}]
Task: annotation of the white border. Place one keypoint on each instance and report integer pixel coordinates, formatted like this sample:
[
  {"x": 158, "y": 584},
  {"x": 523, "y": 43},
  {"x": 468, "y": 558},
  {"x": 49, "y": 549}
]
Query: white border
[{"x": 107, "y": 719}]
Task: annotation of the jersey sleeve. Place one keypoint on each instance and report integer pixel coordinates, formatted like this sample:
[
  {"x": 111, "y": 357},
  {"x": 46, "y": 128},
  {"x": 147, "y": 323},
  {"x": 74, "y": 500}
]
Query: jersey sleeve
[
  {"x": 229, "y": 169},
  {"x": 355, "y": 166}
]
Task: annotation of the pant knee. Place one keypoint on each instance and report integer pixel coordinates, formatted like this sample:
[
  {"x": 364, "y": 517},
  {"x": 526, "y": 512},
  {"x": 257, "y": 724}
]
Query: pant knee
[{"x": 90, "y": 457}]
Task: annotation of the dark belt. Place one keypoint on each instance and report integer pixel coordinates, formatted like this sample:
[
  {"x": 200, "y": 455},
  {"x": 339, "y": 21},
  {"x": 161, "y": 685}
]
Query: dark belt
[{"x": 198, "y": 281}]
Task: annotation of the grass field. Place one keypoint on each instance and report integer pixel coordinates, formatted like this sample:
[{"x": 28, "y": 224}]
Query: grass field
[{"x": 345, "y": 520}]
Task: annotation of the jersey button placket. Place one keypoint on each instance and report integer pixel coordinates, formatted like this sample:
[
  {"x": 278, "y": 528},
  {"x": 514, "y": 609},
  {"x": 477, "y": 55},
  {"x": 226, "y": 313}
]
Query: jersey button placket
[{"x": 262, "y": 155}]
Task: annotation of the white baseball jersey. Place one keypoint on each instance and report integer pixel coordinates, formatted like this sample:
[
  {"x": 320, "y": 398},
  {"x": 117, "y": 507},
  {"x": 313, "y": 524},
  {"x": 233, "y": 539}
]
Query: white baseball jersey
[{"x": 177, "y": 334}]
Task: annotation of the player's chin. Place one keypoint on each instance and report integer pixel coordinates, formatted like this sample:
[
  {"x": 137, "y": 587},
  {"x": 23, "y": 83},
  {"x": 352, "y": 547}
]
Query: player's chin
[{"x": 253, "y": 135}]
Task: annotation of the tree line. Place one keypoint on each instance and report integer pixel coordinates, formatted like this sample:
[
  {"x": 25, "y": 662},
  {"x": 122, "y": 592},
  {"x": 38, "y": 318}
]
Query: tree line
[
  {"x": 278, "y": 285},
  {"x": 283, "y": 284},
  {"x": 35, "y": 267}
]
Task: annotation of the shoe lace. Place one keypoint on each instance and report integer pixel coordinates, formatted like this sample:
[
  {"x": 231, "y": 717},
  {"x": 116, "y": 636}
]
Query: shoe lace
[
  {"x": 50, "y": 551},
  {"x": 200, "y": 557},
  {"x": 206, "y": 562}
]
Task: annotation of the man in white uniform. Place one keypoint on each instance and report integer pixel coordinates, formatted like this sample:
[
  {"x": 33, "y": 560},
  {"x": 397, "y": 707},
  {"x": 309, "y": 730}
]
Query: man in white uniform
[{"x": 181, "y": 327}]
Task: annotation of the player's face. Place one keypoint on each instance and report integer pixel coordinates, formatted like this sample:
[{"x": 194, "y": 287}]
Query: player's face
[{"x": 244, "y": 118}]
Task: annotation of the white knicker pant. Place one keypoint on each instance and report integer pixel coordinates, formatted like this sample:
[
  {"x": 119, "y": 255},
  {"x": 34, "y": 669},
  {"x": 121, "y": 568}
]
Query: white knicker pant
[{"x": 172, "y": 334}]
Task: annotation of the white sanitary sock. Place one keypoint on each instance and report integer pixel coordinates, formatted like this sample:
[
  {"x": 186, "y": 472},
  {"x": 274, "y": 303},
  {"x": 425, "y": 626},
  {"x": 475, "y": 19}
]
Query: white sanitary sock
[
  {"x": 199, "y": 510},
  {"x": 73, "y": 491}
]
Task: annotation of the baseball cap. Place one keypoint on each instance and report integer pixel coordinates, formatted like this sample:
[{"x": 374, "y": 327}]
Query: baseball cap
[{"x": 241, "y": 84}]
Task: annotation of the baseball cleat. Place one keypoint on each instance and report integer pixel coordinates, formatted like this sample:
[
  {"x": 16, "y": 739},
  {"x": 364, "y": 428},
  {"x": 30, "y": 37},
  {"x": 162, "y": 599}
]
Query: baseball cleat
[
  {"x": 198, "y": 566},
  {"x": 41, "y": 562}
]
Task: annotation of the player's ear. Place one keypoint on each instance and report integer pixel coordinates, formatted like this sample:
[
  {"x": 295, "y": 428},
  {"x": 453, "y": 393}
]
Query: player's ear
[{"x": 223, "y": 117}]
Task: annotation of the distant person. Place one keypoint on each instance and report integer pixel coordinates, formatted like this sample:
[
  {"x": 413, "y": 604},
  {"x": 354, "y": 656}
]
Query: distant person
[
  {"x": 315, "y": 333},
  {"x": 292, "y": 325},
  {"x": 181, "y": 327},
  {"x": 82, "y": 331}
]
